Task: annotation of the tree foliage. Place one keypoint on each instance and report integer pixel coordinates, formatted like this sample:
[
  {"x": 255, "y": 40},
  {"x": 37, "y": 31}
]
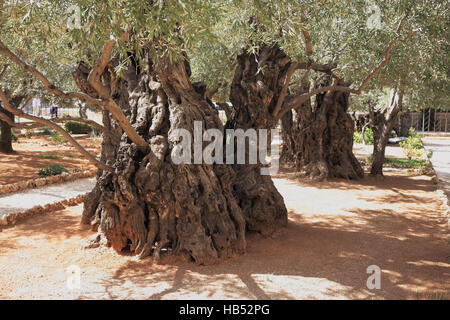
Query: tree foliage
[{"x": 213, "y": 31}]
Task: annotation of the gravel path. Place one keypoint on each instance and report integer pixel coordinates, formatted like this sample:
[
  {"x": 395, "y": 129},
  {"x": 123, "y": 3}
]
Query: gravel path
[
  {"x": 27, "y": 199},
  {"x": 440, "y": 159}
]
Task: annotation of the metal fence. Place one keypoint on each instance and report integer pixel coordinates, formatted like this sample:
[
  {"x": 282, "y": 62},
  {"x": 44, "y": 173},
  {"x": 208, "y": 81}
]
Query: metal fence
[
  {"x": 426, "y": 121},
  {"x": 429, "y": 120}
]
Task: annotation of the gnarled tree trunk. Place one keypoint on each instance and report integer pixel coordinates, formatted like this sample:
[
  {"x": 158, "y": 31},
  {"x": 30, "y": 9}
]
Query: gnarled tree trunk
[
  {"x": 324, "y": 139},
  {"x": 287, "y": 155},
  {"x": 149, "y": 203},
  {"x": 382, "y": 124},
  {"x": 254, "y": 94},
  {"x": 291, "y": 129},
  {"x": 5, "y": 137}
]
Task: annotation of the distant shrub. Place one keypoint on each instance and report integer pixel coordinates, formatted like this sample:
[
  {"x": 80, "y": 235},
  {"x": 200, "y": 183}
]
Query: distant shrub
[
  {"x": 52, "y": 170},
  {"x": 407, "y": 163},
  {"x": 13, "y": 135},
  {"x": 46, "y": 131},
  {"x": 357, "y": 137},
  {"x": 404, "y": 132},
  {"x": 50, "y": 156},
  {"x": 29, "y": 133},
  {"x": 368, "y": 134},
  {"x": 369, "y": 160},
  {"x": 57, "y": 138},
  {"x": 75, "y": 127},
  {"x": 412, "y": 145},
  {"x": 393, "y": 134},
  {"x": 412, "y": 133}
]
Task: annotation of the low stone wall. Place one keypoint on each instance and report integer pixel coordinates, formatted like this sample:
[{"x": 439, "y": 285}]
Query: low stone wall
[
  {"x": 444, "y": 195},
  {"x": 40, "y": 182},
  {"x": 13, "y": 217}
]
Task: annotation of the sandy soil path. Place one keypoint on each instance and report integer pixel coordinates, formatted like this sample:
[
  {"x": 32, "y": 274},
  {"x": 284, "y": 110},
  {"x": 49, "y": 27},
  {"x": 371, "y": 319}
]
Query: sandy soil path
[
  {"x": 27, "y": 199},
  {"x": 336, "y": 230}
]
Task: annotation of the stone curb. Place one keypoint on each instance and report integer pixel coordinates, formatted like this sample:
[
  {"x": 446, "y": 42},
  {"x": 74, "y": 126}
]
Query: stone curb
[
  {"x": 40, "y": 182},
  {"x": 442, "y": 194},
  {"x": 13, "y": 217}
]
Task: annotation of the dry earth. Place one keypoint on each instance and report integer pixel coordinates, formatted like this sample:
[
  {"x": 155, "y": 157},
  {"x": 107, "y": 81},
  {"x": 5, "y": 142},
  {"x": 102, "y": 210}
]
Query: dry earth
[
  {"x": 26, "y": 161},
  {"x": 336, "y": 230}
]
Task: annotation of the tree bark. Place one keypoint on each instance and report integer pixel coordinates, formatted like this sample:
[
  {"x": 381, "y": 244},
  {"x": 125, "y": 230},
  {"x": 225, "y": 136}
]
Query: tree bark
[
  {"x": 324, "y": 139},
  {"x": 382, "y": 124},
  {"x": 256, "y": 87},
  {"x": 291, "y": 129},
  {"x": 5, "y": 137},
  {"x": 287, "y": 156},
  {"x": 149, "y": 203}
]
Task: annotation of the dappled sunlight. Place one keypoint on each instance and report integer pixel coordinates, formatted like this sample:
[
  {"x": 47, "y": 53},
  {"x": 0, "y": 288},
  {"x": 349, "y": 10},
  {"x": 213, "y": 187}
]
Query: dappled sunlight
[
  {"x": 298, "y": 287},
  {"x": 430, "y": 263},
  {"x": 335, "y": 231}
]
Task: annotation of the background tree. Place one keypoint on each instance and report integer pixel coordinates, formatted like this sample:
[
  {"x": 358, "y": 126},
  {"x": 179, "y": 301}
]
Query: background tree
[
  {"x": 19, "y": 86},
  {"x": 418, "y": 77},
  {"x": 320, "y": 144},
  {"x": 132, "y": 60}
]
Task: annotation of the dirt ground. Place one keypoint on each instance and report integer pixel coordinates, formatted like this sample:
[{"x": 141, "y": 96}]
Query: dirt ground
[
  {"x": 336, "y": 230},
  {"x": 26, "y": 161}
]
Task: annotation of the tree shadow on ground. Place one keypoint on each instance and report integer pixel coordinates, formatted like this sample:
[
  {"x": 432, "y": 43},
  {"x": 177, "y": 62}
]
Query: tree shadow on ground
[
  {"x": 324, "y": 259},
  {"x": 391, "y": 180},
  {"x": 52, "y": 226},
  {"x": 318, "y": 256}
]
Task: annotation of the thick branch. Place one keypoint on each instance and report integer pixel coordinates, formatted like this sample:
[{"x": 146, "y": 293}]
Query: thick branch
[
  {"x": 92, "y": 123},
  {"x": 326, "y": 68},
  {"x": 308, "y": 44},
  {"x": 396, "y": 103},
  {"x": 45, "y": 82},
  {"x": 4, "y": 117},
  {"x": 111, "y": 105},
  {"x": 56, "y": 127},
  {"x": 99, "y": 68},
  {"x": 280, "y": 101},
  {"x": 32, "y": 125},
  {"x": 228, "y": 110},
  {"x": 5, "y": 66},
  {"x": 106, "y": 102},
  {"x": 302, "y": 98}
]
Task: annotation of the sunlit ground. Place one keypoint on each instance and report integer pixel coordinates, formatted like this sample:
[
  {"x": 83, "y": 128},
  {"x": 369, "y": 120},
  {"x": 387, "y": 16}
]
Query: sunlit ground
[{"x": 336, "y": 230}]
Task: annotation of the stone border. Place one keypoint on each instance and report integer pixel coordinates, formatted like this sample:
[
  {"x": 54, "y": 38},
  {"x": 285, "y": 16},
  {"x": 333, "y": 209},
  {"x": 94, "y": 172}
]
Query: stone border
[
  {"x": 13, "y": 217},
  {"x": 444, "y": 196},
  {"x": 40, "y": 182},
  {"x": 441, "y": 192}
]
